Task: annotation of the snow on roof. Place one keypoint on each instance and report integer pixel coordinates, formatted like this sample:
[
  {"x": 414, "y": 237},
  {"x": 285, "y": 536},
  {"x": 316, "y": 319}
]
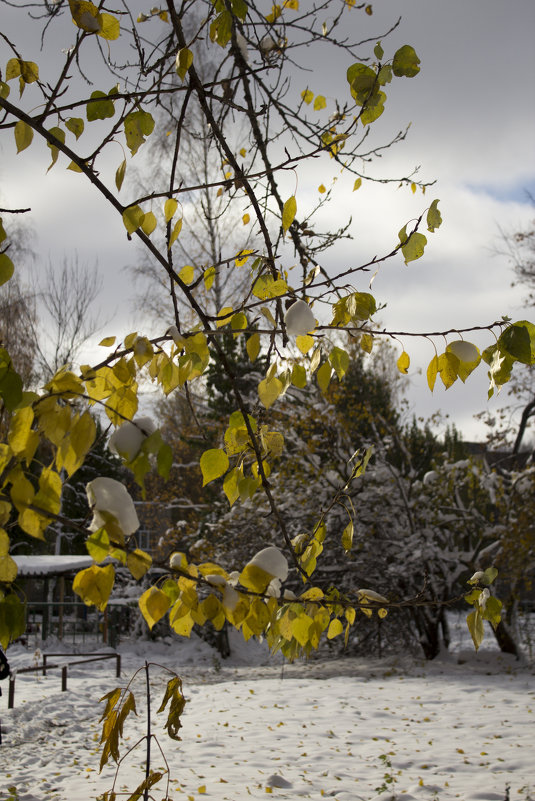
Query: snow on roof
[{"x": 50, "y": 565}]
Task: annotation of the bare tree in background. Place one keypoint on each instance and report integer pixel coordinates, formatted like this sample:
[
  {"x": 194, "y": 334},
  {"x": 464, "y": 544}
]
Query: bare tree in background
[
  {"x": 66, "y": 317},
  {"x": 17, "y": 326},
  {"x": 212, "y": 227}
]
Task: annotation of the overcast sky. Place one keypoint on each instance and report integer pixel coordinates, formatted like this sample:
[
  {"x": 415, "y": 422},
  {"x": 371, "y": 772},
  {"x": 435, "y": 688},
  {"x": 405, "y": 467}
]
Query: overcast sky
[{"x": 472, "y": 115}]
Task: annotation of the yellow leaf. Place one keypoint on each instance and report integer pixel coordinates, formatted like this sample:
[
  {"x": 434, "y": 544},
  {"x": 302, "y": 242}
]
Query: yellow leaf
[
  {"x": 149, "y": 223},
  {"x": 253, "y": 346},
  {"x": 289, "y": 211},
  {"x": 404, "y": 362},
  {"x": 169, "y": 208},
  {"x": 224, "y": 316},
  {"x": 335, "y": 628},
  {"x": 184, "y": 60},
  {"x": 8, "y": 569},
  {"x": 107, "y": 342},
  {"x": 301, "y": 628},
  {"x": 269, "y": 390},
  {"x": 22, "y": 439},
  {"x": 299, "y": 376},
  {"x": 153, "y": 605},
  {"x": 307, "y": 96},
  {"x": 323, "y": 376},
  {"x": 357, "y": 184},
  {"x": 321, "y": 189},
  {"x": 304, "y": 343},
  {"x": 242, "y": 257},
  {"x": 85, "y": 15},
  {"x": 94, "y": 585},
  {"x": 176, "y": 230},
  {"x": 119, "y": 175},
  {"x": 133, "y": 218},
  {"x": 246, "y": 219},
  {"x": 138, "y": 562},
  {"x": 187, "y": 274},
  {"x": 319, "y": 103},
  {"x": 214, "y": 463},
  {"x": 109, "y": 27},
  {"x": 255, "y": 578},
  {"x": 23, "y": 135},
  {"x": 432, "y": 371},
  {"x": 209, "y": 277},
  {"x": 8, "y": 566}
]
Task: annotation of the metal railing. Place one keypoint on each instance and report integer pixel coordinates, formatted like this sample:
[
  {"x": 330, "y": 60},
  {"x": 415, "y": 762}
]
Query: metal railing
[
  {"x": 64, "y": 670},
  {"x": 73, "y": 621}
]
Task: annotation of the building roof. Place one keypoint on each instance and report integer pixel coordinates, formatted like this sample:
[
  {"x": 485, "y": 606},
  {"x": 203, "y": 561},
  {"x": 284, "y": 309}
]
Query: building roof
[{"x": 50, "y": 565}]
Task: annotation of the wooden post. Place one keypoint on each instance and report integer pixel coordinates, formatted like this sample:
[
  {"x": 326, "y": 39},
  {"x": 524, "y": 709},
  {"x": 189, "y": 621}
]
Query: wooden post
[
  {"x": 11, "y": 695},
  {"x": 64, "y": 678},
  {"x": 61, "y": 599}
]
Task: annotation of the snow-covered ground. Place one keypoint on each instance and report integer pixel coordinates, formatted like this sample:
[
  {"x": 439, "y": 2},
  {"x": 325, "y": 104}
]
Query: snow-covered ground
[{"x": 347, "y": 729}]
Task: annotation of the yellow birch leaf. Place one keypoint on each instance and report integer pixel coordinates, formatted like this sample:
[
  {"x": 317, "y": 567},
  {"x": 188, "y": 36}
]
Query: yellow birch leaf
[
  {"x": 304, "y": 343},
  {"x": 133, "y": 218},
  {"x": 224, "y": 316},
  {"x": 432, "y": 372},
  {"x": 169, "y": 208},
  {"x": 138, "y": 562},
  {"x": 94, "y": 585},
  {"x": 214, "y": 463},
  {"x": 253, "y": 346},
  {"x": 269, "y": 390},
  {"x": 119, "y": 175},
  {"x": 149, "y": 223},
  {"x": 174, "y": 236},
  {"x": 289, "y": 210},
  {"x": 242, "y": 257},
  {"x": 404, "y": 362},
  {"x": 187, "y": 274},
  {"x": 335, "y": 628},
  {"x": 23, "y": 135},
  {"x": 153, "y": 604},
  {"x": 323, "y": 376}
]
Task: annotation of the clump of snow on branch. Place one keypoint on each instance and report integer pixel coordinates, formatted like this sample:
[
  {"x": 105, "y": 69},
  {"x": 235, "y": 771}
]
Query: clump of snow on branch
[
  {"x": 109, "y": 498},
  {"x": 126, "y": 441},
  {"x": 299, "y": 319},
  {"x": 271, "y": 561}
]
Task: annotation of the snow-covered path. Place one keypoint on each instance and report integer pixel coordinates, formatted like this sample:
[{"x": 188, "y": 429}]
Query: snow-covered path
[{"x": 408, "y": 730}]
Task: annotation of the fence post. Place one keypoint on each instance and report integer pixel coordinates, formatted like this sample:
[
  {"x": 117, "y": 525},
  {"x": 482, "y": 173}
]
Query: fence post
[
  {"x": 64, "y": 678},
  {"x": 11, "y": 693},
  {"x": 44, "y": 664},
  {"x": 118, "y": 666}
]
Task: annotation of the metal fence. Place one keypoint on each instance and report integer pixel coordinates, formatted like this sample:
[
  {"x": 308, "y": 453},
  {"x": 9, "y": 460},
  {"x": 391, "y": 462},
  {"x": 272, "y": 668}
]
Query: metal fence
[
  {"x": 74, "y": 622},
  {"x": 46, "y": 665}
]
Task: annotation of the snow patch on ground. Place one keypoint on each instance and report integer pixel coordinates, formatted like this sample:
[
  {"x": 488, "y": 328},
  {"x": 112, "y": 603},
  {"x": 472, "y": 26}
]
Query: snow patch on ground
[{"x": 348, "y": 729}]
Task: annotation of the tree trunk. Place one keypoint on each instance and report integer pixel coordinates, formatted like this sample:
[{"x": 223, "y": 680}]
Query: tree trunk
[{"x": 505, "y": 639}]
